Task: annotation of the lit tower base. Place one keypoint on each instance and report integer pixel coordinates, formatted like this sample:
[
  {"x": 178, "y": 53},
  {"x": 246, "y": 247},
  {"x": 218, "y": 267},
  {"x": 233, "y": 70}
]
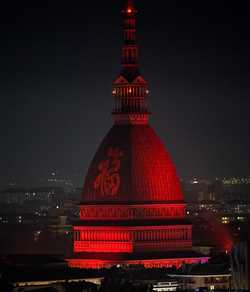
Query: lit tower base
[{"x": 132, "y": 210}]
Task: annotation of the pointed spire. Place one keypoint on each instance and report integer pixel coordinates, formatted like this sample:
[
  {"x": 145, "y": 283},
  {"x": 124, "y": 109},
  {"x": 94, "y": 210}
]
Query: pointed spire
[
  {"x": 129, "y": 4},
  {"x": 130, "y": 47},
  {"x": 130, "y": 89}
]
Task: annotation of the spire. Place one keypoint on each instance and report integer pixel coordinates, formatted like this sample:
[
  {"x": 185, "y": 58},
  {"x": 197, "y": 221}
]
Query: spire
[
  {"x": 130, "y": 88},
  {"x": 130, "y": 47}
]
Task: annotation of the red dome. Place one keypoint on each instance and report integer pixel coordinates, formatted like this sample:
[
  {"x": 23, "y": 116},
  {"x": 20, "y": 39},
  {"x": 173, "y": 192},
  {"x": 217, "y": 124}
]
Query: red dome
[{"x": 131, "y": 165}]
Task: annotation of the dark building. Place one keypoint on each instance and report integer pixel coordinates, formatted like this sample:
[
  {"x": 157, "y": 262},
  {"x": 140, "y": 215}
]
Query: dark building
[
  {"x": 240, "y": 266},
  {"x": 206, "y": 277},
  {"x": 20, "y": 273}
]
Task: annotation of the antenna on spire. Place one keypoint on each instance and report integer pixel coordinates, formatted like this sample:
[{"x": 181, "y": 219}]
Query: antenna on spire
[
  {"x": 129, "y": 3},
  {"x": 129, "y": 7},
  {"x": 130, "y": 47}
]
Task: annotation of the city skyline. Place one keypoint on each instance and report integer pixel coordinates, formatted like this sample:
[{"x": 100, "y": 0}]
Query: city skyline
[{"x": 56, "y": 84}]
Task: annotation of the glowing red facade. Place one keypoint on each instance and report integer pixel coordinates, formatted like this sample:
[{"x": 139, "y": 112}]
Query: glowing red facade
[{"x": 132, "y": 209}]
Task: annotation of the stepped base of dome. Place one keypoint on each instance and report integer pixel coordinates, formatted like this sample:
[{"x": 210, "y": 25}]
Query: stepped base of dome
[
  {"x": 130, "y": 238},
  {"x": 132, "y": 211}
]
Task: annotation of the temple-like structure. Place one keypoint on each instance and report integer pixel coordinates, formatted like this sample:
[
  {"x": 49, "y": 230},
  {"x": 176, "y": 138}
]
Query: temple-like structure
[{"x": 132, "y": 209}]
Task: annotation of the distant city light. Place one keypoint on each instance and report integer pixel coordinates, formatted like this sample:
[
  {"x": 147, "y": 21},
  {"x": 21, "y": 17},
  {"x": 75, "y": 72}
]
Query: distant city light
[
  {"x": 225, "y": 220},
  {"x": 236, "y": 181},
  {"x": 194, "y": 181}
]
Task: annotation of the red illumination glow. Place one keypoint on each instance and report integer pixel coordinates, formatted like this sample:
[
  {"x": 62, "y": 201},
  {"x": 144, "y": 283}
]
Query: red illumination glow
[
  {"x": 130, "y": 247},
  {"x": 132, "y": 205},
  {"x": 220, "y": 234},
  {"x": 146, "y": 175},
  {"x": 147, "y": 172},
  {"x": 103, "y": 246},
  {"x": 132, "y": 239},
  {"x": 132, "y": 212},
  {"x": 158, "y": 263}
]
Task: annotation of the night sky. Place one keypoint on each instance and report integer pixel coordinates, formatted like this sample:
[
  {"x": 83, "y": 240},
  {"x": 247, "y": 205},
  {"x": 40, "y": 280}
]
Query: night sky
[{"x": 58, "y": 60}]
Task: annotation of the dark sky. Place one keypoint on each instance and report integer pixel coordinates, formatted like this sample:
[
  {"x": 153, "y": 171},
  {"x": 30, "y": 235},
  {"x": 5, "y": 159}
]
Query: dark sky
[{"x": 58, "y": 60}]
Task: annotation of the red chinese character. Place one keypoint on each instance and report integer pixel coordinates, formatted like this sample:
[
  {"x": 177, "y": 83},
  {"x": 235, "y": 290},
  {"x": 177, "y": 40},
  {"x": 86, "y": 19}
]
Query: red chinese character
[{"x": 108, "y": 180}]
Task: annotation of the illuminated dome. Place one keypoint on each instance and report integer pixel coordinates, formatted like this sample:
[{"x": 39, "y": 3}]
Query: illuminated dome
[
  {"x": 132, "y": 210},
  {"x": 131, "y": 164}
]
